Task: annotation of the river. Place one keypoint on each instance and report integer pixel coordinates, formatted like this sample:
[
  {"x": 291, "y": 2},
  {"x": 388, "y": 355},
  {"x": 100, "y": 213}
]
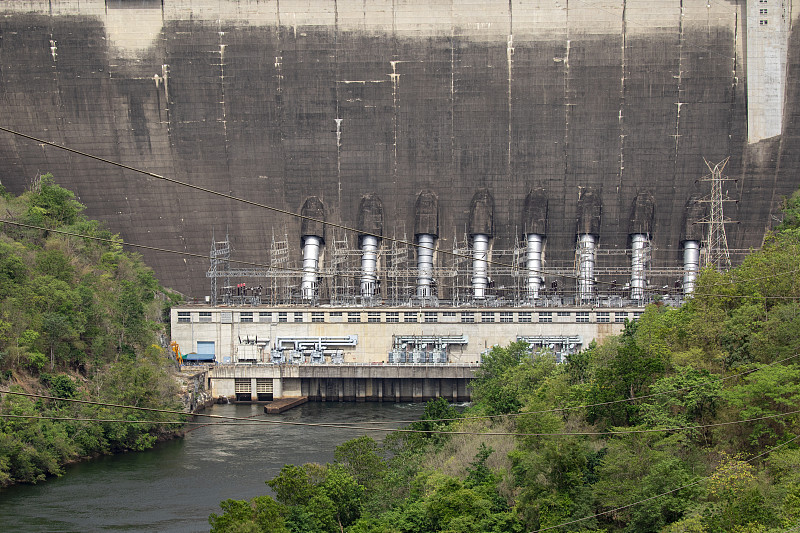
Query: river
[{"x": 176, "y": 485}]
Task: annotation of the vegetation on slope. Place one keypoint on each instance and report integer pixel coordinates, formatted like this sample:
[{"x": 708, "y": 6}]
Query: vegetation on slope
[
  {"x": 729, "y": 354},
  {"x": 80, "y": 319}
]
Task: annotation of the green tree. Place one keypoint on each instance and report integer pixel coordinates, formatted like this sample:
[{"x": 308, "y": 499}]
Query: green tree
[
  {"x": 687, "y": 397},
  {"x": 52, "y": 205},
  {"x": 638, "y": 466},
  {"x": 260, "y": 515},
  {"x": 294, "y": 485},
  {"x": 791, "y": 213},
  {"x": 345, "y": 493},
  {"x": 363, "y": 459},
  {"x": 771, "y": 390},
  {"x": 628, "y": 374},
  {"x": 57, "y": 328},
  {"x": 736, "y": 498},
  {"x": 488, "y": 387},
  {"x": 438, "y": 417}
]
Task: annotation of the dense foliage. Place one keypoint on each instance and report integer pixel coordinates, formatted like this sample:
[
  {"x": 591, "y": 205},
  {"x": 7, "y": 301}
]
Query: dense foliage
[
  {"x": 79, "y": 319},
  {"x": 672, "y": 387}
]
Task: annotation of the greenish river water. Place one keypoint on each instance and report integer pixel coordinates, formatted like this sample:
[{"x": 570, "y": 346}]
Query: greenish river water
[{"x": 175, "y": 486}]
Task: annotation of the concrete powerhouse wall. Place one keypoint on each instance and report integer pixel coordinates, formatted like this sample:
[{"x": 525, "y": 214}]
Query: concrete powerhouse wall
[{"x": 275, "y": 101}]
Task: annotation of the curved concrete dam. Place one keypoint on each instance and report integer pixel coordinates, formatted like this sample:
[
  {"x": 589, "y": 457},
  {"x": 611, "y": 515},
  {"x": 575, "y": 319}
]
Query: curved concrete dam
[{"x": 602, "y": 107}]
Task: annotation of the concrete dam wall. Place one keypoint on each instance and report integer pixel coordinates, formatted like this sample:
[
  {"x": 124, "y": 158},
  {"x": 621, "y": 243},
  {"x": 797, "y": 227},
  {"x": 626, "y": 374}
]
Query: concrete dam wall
[{"x": 279, "y": 101}]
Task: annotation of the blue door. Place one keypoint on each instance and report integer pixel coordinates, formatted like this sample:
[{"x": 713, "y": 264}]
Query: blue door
[{"x": 205, "y": 349}]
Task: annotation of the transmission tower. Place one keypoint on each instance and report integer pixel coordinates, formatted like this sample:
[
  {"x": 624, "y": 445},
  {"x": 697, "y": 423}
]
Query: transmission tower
[
  {"x": 219, "y": 257},
  {"x": 716, "y": 240}
]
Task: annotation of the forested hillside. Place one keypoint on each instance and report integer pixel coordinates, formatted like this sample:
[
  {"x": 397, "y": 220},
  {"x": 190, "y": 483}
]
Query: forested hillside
[
  {"x": 81, "y": 319},
  {"x": 687, "y": 422}
]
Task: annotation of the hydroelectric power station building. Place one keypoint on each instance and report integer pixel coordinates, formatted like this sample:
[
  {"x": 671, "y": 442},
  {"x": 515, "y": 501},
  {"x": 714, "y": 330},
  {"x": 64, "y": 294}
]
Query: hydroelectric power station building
[{"x": 468, "y": 172}]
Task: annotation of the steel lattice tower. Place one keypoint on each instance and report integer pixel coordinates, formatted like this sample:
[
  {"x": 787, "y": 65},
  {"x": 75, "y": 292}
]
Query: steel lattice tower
[
  {"x": 219, "y": 257},
  {"x": 716, "y": 240}
]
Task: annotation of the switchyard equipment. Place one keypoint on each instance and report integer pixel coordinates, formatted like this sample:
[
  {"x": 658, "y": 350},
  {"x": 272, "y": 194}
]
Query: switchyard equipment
[
  {"x": 423, "y": 348},
  {"x": 474, "y": 272}
]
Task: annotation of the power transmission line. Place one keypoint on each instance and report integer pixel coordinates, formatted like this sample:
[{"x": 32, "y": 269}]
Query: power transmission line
[
  {"x": 628, "y": 506},
  {"x": 624, "y": 400},
  {"x": 354, "y": 277},
  {"x": 250, "y": 421},
  {"x": 278, "y": 210},
  {"x": 153, "y": 248}
]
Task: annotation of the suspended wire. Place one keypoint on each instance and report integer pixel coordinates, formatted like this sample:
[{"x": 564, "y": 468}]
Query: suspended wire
[
  {"x": 740, "y": 280},
  {"x": 247, "y": 421},
  {"x": 120, "y": 420},
  {"x": 272, "y": 208},
  {"x": 164, "y": 250},
  {"x": 602, "y": 404},
  {"x": 542, "y": 272},
  {"x": 692, "y": 484},
  {"x": 743, "y": 296},
  {"x": 332, "y": 224},
  {"x": 482, "y": 417},
  {"x": 300, "y": 271},
  {"x": 206, "y": 424}
]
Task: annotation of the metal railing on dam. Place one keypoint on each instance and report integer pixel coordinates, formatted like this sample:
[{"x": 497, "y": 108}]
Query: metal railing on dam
[
  {"x": 373, "y": 370},
  {"x": 342, "y": 382}
]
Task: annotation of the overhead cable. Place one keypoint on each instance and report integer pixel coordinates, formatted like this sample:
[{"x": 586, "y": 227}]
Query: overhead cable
[
  {"x": 264, "y": 206},
  {"x": 612, "y": 402},
  {"x": 249, "y": 421},
  {"x": 692, "y": 484}
]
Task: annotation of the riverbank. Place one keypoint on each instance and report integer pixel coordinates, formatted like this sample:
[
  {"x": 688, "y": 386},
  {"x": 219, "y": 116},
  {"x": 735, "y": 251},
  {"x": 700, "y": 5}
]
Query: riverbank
[
  {"x": 180, "y": 482},
  {"x": 194, "y": 394}
]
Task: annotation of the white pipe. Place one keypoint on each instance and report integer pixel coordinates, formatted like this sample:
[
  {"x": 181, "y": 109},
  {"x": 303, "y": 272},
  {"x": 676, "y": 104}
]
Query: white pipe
[
  {"x": 424, "y": 265},
  {"x": 691, "y": 265},
  {"x": 308, "y": 287},
  {"x": 315, "y": 342},
  {"x": 638, "y": 281},
  {"x": 369, "y": 259},
  {"x": 534, "y": 265},
  {"x": 480, "y": 256},
  {"x": 586, "y": 266}
]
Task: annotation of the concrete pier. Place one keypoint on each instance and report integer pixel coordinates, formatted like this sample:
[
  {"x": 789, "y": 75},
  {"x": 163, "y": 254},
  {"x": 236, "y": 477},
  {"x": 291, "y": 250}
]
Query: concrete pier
[
  {"x": 281, "y": 405},
  {"x": 348, "y": 382}
]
